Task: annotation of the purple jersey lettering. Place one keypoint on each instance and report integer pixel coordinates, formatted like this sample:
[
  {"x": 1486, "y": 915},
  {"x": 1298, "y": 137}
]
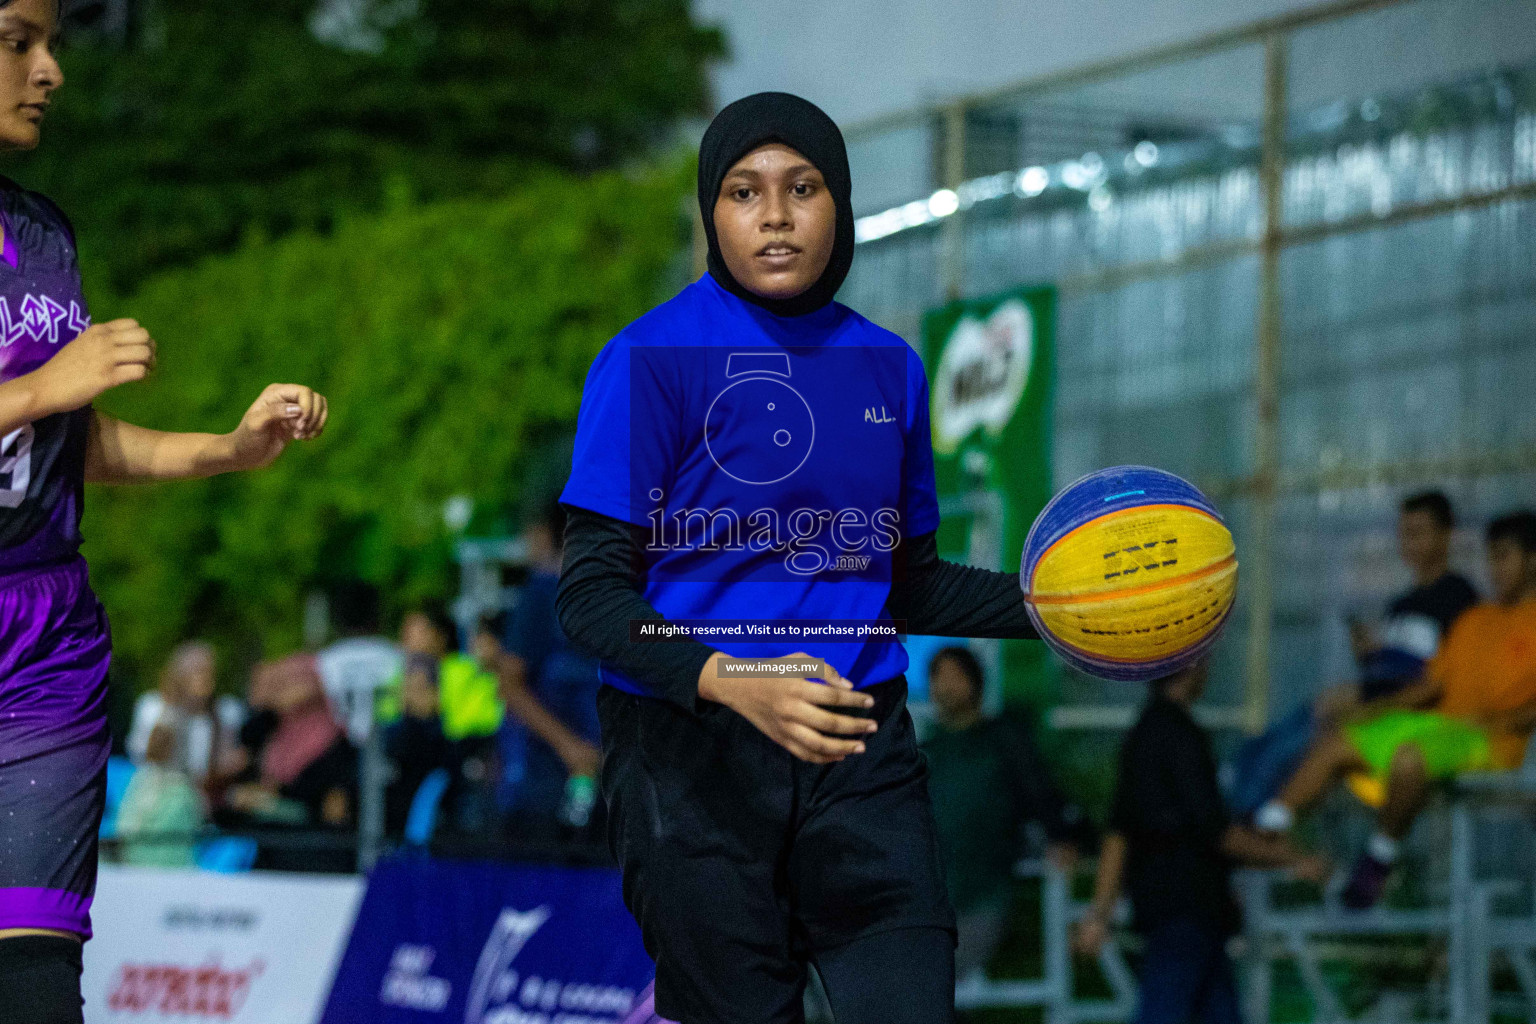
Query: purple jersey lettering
[{"x": 42, "y": 309}]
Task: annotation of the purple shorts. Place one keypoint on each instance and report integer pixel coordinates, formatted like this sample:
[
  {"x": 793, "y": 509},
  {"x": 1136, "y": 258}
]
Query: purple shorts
[{"x": 54, "y": 651}]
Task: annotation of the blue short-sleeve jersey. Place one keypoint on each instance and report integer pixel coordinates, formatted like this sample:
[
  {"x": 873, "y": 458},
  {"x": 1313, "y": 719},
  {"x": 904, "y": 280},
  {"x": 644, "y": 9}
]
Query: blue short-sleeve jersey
[{"x": 774, "y": 463}]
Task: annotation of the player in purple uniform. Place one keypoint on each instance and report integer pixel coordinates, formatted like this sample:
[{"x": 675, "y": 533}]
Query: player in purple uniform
[{"x": 54, "y": 642}]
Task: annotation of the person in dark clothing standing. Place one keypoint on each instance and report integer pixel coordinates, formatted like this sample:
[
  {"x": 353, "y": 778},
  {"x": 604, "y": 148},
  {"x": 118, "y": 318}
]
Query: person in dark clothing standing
[
  {"x": 990, "y": 783},
  {"x": 550, "y": 736},
  {"x": 1172, "y": 846},
  {"x": 414, "y": 742},
  {"x": 752, "y": 453}
]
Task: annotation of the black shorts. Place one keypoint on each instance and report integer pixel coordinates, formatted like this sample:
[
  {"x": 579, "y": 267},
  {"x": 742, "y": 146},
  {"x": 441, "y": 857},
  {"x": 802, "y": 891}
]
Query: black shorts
[{"x": 741, "y": 862}]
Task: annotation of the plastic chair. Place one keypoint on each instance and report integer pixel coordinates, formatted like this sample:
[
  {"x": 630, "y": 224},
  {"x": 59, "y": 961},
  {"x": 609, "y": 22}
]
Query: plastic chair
[
  {"x": 119, "y": 773},
  {"x": 227, "y": 855},
  {"x": 421, "y": 819}
]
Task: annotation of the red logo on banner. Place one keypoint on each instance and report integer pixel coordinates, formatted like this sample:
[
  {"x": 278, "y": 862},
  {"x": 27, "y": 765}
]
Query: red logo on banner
[{"x": 167, "y": 989}]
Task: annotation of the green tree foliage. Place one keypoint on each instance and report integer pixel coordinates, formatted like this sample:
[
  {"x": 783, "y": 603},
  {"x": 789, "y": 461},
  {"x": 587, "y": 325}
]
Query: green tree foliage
[
  {"x": 451, "y": 340},
  {"x": 223, "y": 121}
]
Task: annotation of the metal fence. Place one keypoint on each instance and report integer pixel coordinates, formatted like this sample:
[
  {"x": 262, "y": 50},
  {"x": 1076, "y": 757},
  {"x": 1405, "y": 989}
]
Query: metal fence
[{"x": 1296, "y": 263}]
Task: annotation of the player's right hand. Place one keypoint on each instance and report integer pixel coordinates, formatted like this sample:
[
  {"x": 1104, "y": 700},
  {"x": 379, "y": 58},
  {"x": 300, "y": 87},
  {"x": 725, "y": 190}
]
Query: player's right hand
[
  {"x": 794, "y": 711},
  {"x": 100, "y": 358}
]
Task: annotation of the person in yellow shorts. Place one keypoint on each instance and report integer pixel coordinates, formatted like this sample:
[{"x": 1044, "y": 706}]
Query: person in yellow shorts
[{"x": 1473, "y": 710}]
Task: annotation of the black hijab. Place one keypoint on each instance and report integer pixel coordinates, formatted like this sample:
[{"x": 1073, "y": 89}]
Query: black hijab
[{"x": 801, "y": 125}]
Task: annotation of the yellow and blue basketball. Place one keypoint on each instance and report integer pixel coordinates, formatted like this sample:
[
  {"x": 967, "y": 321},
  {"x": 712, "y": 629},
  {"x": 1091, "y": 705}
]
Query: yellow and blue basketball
[{"x": 1129, "y": 573}]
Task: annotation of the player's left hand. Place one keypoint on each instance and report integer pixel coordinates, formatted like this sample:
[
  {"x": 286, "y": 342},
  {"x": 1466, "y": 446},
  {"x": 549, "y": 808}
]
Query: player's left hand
[{"x": 282, "y": 414}]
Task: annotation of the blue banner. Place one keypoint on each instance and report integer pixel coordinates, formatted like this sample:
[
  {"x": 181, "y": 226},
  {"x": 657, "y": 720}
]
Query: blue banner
[{"x": 440, "y": 941}]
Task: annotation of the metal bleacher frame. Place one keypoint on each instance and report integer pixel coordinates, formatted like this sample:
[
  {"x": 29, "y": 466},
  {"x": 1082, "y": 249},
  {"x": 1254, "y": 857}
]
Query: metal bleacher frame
[
  {"x": 1053, "y": 992},
  {"x": 1490, "y": 934},
  {"x": 1476, "y": 933},
  {"x": 1468, "y": 921}
]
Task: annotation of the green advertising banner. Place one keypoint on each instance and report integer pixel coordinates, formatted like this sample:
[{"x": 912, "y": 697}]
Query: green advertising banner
[{"x": 991, "y": 364}]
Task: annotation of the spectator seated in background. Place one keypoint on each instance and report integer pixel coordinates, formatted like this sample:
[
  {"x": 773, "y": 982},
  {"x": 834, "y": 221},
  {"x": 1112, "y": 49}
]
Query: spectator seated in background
[
  {"x": 162, "y": 810},
  {"x": 549, "y": 741},
  {"x": 299, "y": 767},
  {"x": 1390, "y": 657},
  {"x": 414, "y": 742},
  {"x": 1173, "y": 846},
  {"x": 206, "y": 727},
  {"x": 988, "y": 782},
  {"x": 468, "y": 702},
  {"x": 360, "y": 662},
  {"x": 1473, "y": 709},
  {"x": 469, "y": 709}
]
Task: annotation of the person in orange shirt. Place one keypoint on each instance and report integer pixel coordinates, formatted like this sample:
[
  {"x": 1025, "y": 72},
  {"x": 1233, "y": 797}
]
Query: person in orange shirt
[{"x": 1473, "y": 710}]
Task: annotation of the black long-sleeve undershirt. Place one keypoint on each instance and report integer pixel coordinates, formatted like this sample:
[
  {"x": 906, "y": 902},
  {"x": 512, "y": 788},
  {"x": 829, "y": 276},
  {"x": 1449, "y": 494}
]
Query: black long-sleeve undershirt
[
  {"x": 598, "y": 597},
  {"x": 602, "y": 577},
  {"x": 939, "y": 598}
]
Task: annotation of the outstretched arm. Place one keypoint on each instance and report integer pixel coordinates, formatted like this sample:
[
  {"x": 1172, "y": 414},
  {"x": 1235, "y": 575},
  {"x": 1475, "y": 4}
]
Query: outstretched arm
[
  {"x": 579, "y": 756},
  {"x": 939, "y": 598},
  {"x": 120, "y": 453}
]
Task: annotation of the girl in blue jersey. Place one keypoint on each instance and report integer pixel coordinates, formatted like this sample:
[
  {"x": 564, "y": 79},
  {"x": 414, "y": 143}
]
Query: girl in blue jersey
[
  {"x": 54, "y": 642},
  {"x": 753, "y": 459}
]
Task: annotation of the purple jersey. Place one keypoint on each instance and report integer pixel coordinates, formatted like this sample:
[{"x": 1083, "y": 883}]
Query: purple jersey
[
  {"x": 55, "y": 647},
  {"x": 42, "y": 309}
]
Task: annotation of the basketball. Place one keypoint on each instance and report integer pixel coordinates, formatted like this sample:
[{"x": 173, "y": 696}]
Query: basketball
[{"x": 1129, "y": 573}]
